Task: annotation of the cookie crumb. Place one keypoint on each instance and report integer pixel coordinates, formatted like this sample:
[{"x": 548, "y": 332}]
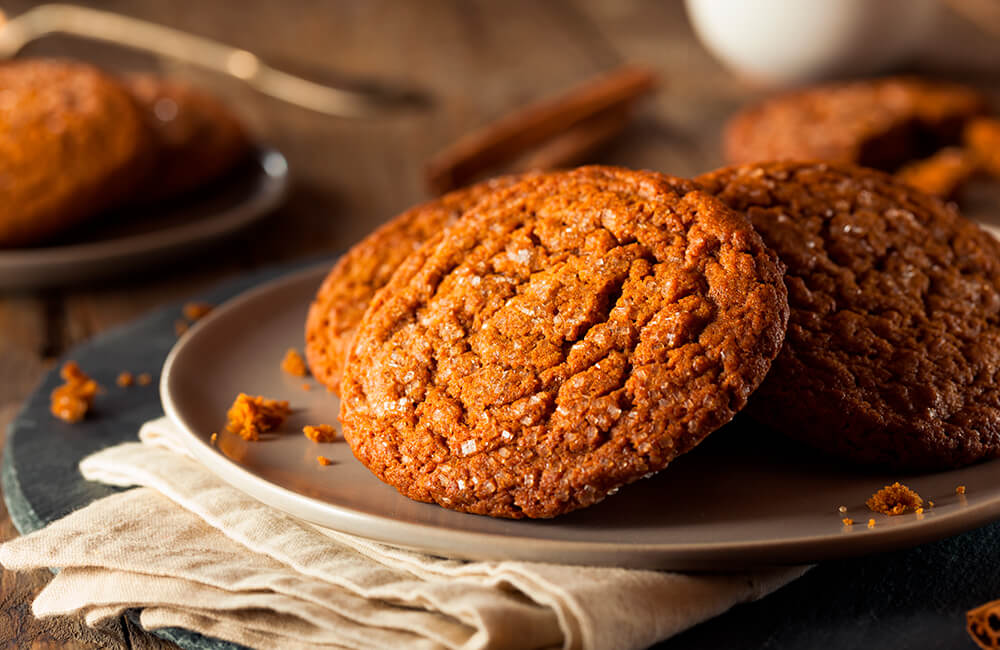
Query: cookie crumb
[
  {"x": 960, "y": 489},
  {"x": 919, "y": 511},
  {"x": 842, "y": 509},
  {"x": 214, "y": 439},
  {"x": 894, "y": 499},
  {"x": 871, "y": 523},
  {"x": 180, "y": 326},
  {"x": 848, "y": 521},
  {"x": 251, "y": 416},
  {"x": 307, "y": 386},
  {"x": 196, "y": 310},
  {"x": 144, "y": 379},
  {"x": 293, "y": 363},
  {"x": 323, "y": 460},
  {"x": 983, "y": 624},
  {"x": 320, "y": 433},
  {"x": 930, "y": 504},
  {"x": 71, "y": 401},
  {"x": 124, "y": 379}
]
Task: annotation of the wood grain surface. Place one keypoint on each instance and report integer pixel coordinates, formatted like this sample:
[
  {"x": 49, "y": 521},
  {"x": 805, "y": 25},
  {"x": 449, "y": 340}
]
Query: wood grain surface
[{"x": 476, "y": 60}]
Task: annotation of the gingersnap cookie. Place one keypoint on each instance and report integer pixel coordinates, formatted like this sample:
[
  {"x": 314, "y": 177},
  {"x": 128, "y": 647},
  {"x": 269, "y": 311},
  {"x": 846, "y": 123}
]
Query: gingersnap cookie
[
  {"x": 198, "y": 139},
  {"x": 893, "y": 345},
  {"x": 352, "y": 283},
  {"x": 72, "y": 144},
  {"x": 568, "y": 335},
  {"x": 879, "y": 123}
]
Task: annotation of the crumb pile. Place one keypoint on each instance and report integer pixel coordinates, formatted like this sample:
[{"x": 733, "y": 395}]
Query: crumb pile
[
  {"x": 71, "y": 401},
  {"x": 895, "y": 499},
  {"x": 251, "y": 416}
]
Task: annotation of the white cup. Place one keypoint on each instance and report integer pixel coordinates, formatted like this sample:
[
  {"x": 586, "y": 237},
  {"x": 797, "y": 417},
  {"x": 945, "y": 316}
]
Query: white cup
[{"x": 793, "y": 41}]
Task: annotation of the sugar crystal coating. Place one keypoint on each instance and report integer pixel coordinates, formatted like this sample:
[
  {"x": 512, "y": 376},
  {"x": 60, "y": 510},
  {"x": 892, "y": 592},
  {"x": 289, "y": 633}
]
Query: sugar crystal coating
[{"x": 618, "y": 319}]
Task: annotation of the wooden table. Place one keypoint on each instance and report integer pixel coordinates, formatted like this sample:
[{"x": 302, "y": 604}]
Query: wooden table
[{"x": 477, "y": 60}]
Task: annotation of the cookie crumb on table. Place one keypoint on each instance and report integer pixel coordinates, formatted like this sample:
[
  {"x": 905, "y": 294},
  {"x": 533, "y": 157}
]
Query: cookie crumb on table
[
  {"x": 293, "y": 363},
  {"x": 144, "y": 379},
  {"x": 323, "y": 460},
  {"x": 125, "y": 379},
  {"x": 320, "y": 433},
  {"x": 306, "y": 386},
  {"x": 848, "y": 521},
  {"x": 983, "y": 624},
  {"x": 214, "y": 439},
  {"x": 894, "y": 499},
  {"x": 842, "y": 509},
  {"x": 195, "y": 310},
  {"x": 251, "y": 416},
  {"x": 960, "y": 489},
  {"x": 71, "y": 401},
  {"x": 871, "y": 523}
]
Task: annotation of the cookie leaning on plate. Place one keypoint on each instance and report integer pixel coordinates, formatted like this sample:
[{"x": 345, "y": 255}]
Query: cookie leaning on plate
[
  {"x": 72, "y": 144},
  {"x": 568, "y": 335},
  {"x": 352, "y": 283},
  {"x": 880, "y": 123},
  {"x": 197, "y": 138},
  {"x": 892, "y": 354}
]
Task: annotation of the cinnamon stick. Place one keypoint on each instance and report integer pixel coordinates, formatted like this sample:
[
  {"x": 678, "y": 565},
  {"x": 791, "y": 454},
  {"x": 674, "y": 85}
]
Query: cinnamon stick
[
  {"x": 577, "y": 144},
  {"x": 524, "y": 129}
]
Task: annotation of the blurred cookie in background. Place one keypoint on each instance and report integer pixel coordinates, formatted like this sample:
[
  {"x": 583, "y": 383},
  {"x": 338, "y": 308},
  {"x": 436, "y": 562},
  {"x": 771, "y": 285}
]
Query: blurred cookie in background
[
  {"x": 880, "y": 123},
  {"x": 73, "y": 143},
  {"x": 198, "y": 138}
]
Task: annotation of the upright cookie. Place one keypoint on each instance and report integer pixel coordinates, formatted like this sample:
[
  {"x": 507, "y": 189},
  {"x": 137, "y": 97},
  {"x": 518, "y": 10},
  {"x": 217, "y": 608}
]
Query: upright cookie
[
  {"x": 893, "y": 346},
  {"x": 348, "y": 289},
  {"x": 568, "y": 335},
  {"x": 198, "y": 139},
  {"x": 72, "y": 144},
  {"x": 879, "y": 123}
]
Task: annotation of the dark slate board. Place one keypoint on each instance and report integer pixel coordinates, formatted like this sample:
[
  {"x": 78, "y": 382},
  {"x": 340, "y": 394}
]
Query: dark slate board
[{"x": 911, "y": 599}]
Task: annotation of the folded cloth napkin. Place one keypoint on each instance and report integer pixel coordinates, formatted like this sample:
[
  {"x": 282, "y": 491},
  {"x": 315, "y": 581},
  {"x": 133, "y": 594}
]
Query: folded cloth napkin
[{"x": 195, "y": 553}]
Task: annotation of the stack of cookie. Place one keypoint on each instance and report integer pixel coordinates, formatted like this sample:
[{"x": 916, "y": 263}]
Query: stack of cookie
[
  {"x": 525, "y": 347},
  {"x": 76, "y": 142}
]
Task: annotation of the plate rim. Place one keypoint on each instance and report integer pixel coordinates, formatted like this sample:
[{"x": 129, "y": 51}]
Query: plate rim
[
  {"x": 466, "y": 544},
  {"x": 112, "y": 251}
]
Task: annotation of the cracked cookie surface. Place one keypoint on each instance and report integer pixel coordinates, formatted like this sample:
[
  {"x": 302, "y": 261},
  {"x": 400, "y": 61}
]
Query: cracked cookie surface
[
  {"x": 569, "y": 335},
  {"x": 352, "y": 283},
  {"x": 893, "y": 346},
  {"x": 880, "y": 123}
]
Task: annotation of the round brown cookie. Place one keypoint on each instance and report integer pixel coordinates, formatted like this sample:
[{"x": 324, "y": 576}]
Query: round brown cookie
[
  {"x": 72, "y": 143},
  {"x": 879, "y": 123},
  {"x": 893, "y": 348},
  {"x": 352, "y": 283},
  {"x": 198, "y": 139},
  {"x": 568, "y": 335}
]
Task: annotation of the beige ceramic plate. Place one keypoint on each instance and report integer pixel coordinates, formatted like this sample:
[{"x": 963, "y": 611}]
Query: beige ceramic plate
[
  {"x": 144, "y": 236},
  {"x": 744, "y": 498}
]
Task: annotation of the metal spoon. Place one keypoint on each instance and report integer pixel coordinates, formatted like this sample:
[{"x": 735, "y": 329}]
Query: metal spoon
[{"x": 95, "y": 24}]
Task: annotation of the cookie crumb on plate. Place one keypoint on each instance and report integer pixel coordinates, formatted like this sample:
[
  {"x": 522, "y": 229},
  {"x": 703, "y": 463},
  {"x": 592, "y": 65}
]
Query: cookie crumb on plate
[
  {"x": 320, "y": 433},
  {"x": 894, "y": 499},
  {"x": 251, "y": 416}
]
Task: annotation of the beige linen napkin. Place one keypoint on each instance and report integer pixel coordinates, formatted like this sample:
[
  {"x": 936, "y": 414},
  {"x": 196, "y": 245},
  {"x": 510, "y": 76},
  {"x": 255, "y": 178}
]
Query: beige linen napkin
[{"x": 195, "y": 553}]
